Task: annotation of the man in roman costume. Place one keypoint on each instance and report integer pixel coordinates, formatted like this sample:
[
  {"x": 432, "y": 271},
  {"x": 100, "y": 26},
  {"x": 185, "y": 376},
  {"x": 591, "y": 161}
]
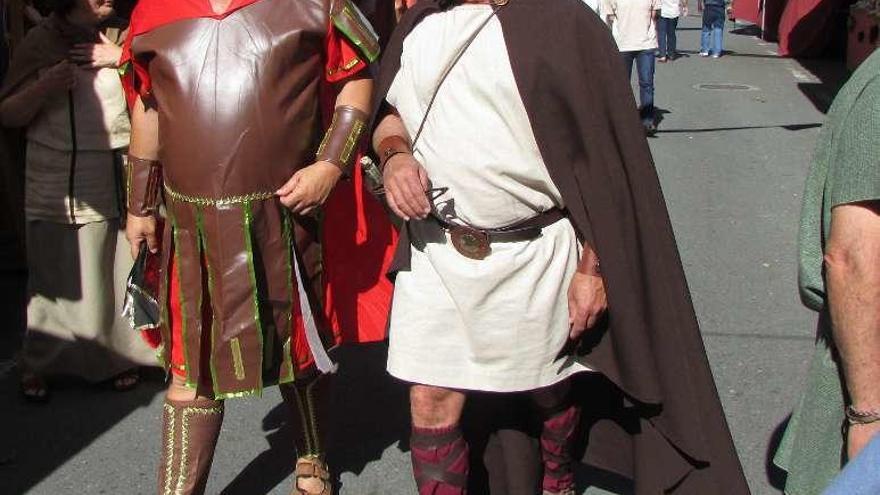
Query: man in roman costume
[
  {"x": 245, "y": 115},
  {"x": 537, "y": 251}
]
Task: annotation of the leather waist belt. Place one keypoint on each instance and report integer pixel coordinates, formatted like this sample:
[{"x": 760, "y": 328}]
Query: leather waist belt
[{"x": 475, "y": 242}]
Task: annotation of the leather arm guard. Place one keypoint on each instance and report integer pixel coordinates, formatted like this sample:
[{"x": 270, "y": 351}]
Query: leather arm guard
[
  {"x": 143, "y": 182},
  {"x": 342, "y": 137}
]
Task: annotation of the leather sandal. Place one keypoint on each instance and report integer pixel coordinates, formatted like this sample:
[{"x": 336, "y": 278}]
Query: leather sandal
[
  {"x": 33, "y": 388},
  {"x": 312, "y": 477},
  {"x": 127, "y": 380}
]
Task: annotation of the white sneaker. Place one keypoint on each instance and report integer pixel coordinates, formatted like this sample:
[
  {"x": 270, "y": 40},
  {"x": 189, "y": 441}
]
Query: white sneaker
[
  {"x": 717, "y": 55},
  {"x": 704, "y": 54}
]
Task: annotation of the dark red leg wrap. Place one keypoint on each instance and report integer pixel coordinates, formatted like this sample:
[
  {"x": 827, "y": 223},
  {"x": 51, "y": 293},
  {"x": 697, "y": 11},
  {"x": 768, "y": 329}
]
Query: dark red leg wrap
[
  {"x": 556, "y": 439},
  {"x": 440, "y": 460}
]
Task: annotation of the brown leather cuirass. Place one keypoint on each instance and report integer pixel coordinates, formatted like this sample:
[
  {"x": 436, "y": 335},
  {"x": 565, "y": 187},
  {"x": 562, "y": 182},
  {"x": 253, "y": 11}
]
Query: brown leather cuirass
[
  {"x": 237, "y": 96},
  {"x": 239, "y": 112}
]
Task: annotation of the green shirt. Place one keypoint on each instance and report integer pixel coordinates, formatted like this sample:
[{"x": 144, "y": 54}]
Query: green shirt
[{"x": 845, "y": 170}]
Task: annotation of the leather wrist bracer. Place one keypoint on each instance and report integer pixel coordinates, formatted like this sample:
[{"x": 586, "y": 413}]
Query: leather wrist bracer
[
  {"x": 390, "y": 146},
  {"x": 342, "y": 137},
  {"x": 143, "y": 182}
]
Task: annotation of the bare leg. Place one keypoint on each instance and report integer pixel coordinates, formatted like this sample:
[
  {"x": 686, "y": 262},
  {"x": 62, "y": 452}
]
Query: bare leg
[
  {"x": 439, "y": 452},
  {"x": 191, "y": 426},
  {"x": 559, "y": 418}
]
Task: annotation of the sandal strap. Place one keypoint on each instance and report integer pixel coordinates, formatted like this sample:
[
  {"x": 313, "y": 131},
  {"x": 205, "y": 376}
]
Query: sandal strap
[{"x": 314, "y": 469}]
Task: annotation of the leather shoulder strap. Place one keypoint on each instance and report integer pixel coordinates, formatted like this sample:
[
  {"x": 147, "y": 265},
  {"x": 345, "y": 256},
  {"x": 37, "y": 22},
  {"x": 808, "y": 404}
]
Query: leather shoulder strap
[{"x": 350, "y": 21}]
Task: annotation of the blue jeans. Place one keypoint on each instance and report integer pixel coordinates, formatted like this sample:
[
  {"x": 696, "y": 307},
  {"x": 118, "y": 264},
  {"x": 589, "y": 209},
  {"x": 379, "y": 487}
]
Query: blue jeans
[
  {"x": 666, "y": 36},
  {"x": 644, "y": 60},
  {"x": 713, "y": 29}
]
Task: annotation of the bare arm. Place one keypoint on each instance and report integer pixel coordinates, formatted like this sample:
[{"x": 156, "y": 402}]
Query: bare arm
[
  {"x": 144, "y": 131},
  {"x": 144, "y": 145},
  {"x": 390, "y": 125},
  {"x": 309, "y": 187},
  {"x": 357, "y": 94},
  {"x": 852, "y": 274}
]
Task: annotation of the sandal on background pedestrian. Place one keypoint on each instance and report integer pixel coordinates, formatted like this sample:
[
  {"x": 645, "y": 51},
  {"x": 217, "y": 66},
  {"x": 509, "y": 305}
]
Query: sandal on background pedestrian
[
  {"x": 34, "y": 388},
  {"x": 127, "y": 380},
  {"x": 311, "y": 477}
]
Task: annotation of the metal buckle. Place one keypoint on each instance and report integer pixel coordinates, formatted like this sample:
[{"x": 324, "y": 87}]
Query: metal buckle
[{"x": 470, "y": 243}]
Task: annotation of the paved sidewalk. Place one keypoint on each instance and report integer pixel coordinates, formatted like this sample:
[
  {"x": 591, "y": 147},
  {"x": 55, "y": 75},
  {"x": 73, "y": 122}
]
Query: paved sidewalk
[{"x": 732, "y": 164}]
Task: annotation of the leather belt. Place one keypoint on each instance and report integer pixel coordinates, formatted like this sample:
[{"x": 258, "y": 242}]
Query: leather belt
[{"x": 476, "y": 243}]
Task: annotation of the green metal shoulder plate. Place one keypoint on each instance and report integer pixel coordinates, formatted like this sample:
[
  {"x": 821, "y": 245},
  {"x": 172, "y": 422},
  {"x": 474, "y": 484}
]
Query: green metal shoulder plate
[{"x": 350, "y": 21}]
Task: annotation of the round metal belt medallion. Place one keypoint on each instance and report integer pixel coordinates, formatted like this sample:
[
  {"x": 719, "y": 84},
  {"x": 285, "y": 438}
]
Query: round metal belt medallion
[{"x": 469, "y": 242}]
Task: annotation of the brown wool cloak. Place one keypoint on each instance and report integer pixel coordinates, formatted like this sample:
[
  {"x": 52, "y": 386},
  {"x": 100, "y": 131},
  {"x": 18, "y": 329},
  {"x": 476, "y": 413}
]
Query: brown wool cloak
[{"x": 661, "y": 422}]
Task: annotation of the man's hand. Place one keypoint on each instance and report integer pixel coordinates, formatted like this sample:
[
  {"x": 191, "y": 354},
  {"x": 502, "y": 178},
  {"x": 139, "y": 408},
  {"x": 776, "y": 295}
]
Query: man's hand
[
  {"x": 858, "y": 436},
  {"x": 141, "y": 229},
  {"x": 405, "y": 184},
  {"x": 309, "y": 187},
  {"x": 60, "y": 77},
  {"x": 586, "y": 302},
  {"x": 97, "y": 55}
]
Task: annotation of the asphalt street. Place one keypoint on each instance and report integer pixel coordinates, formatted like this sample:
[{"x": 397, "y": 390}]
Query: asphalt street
[{"x": 732, "y": 164}]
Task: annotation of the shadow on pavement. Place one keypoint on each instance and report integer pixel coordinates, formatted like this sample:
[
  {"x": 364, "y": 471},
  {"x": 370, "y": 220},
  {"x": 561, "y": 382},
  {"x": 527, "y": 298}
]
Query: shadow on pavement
[
  {"x": 748, "y": 30},
  {"x": 369, "y": 413},
  {"x": 13, "y": 301},
  {"x": 787, "y": 127},
  {"x": 272, "y": 466},
  {"x": 35, "y": 440},
  {"x": 831, "y": 75}
]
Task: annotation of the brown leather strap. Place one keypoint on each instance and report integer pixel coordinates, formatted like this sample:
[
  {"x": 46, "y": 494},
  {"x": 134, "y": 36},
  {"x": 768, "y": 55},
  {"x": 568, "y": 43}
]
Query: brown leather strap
[
  {"x": 311, "y": 467},
  {"x": 521, "y": 231},
  {"x": 390, "y": 146},
  {"x": 144, "y": 181},
  {"x": 342, "y": 137}
]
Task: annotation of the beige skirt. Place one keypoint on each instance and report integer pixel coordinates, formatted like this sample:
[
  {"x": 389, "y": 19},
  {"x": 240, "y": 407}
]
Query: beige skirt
[{"x": 76, "y": 286}]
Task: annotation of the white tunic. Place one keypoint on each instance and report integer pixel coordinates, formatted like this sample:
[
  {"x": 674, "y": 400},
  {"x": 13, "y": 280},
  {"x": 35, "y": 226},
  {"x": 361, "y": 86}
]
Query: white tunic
[{"x": 497, "y": 324}]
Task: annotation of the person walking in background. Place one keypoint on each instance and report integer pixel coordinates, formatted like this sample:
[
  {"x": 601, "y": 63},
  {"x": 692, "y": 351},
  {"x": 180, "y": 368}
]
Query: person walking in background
[
  {"x": 839, "y": 278},
  {"x": 712, "y": 35},
  {"x": 633, "y": 24},
  {"x": 64, "y": 88},
  {"x": 670, "y": 10}
]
